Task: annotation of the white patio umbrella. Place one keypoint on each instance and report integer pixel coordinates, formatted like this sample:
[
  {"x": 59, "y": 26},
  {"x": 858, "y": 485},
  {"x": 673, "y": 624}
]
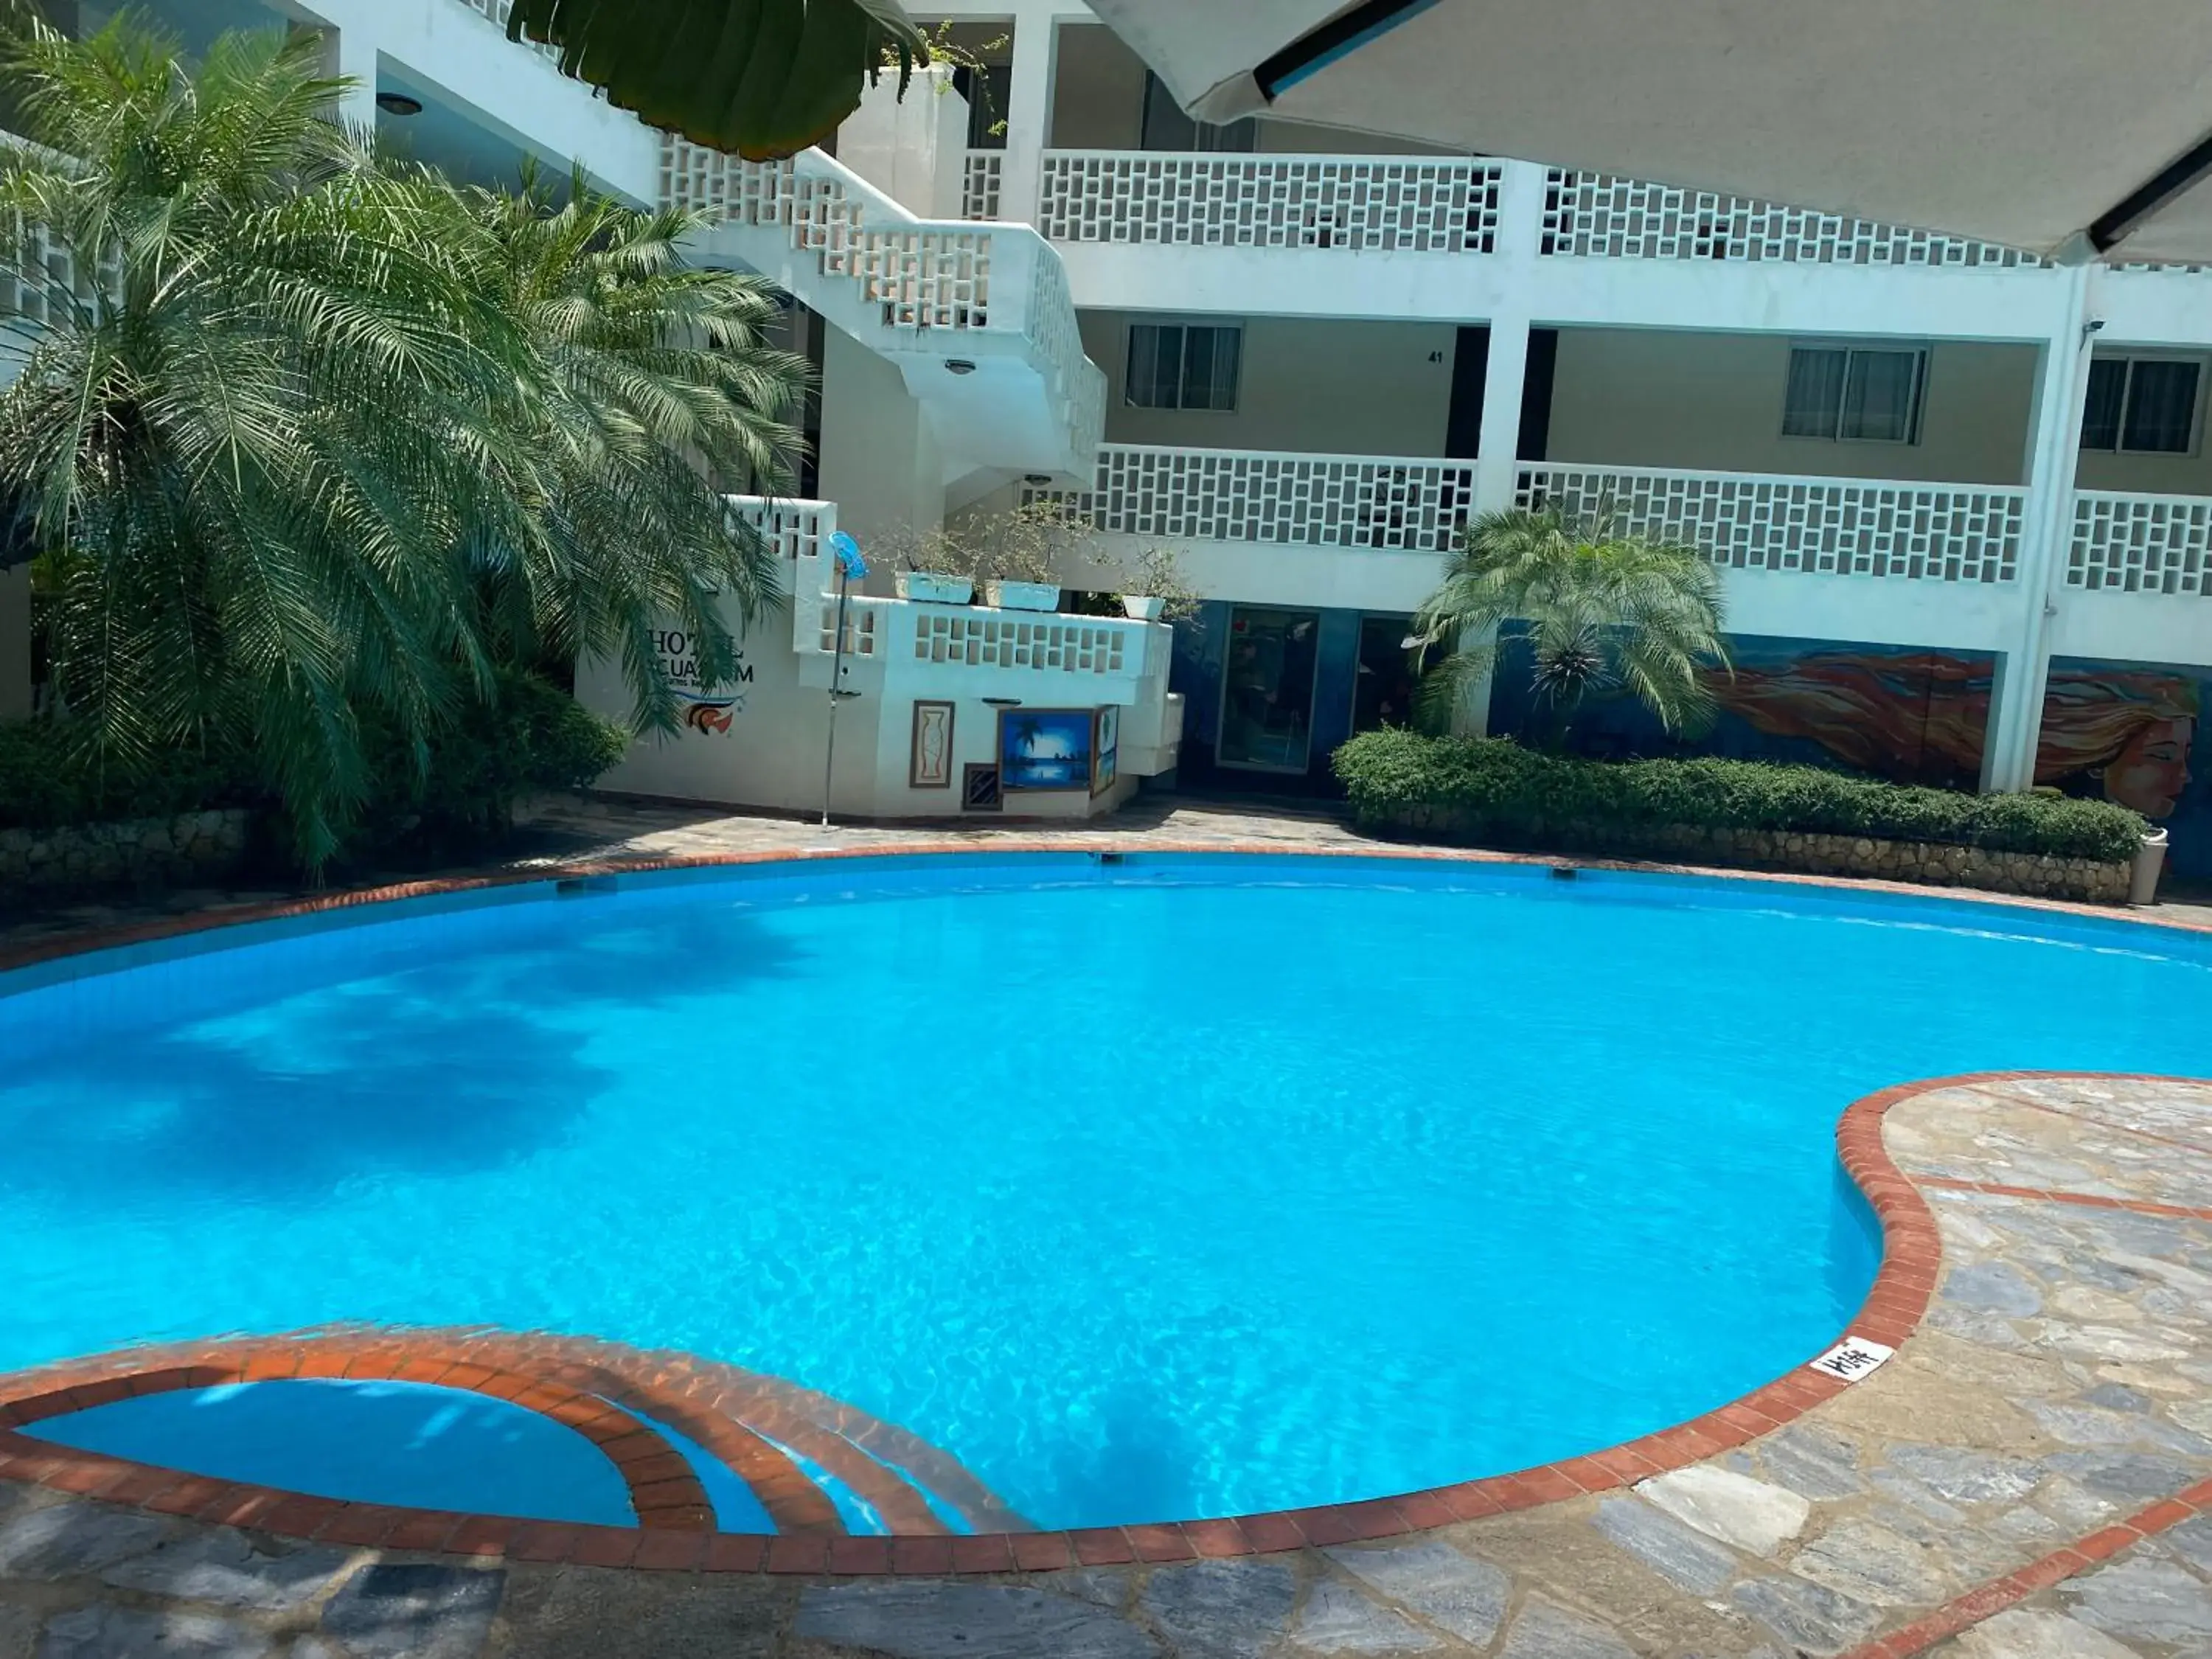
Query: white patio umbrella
[{"x": 2076, "y": 128}]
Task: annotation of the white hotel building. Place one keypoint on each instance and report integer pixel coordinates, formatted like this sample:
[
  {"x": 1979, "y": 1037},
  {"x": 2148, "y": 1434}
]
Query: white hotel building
[{"x": 1940, "y": 469}]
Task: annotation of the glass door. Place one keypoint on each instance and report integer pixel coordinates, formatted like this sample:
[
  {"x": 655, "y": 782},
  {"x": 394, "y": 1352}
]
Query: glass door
[
  {"x": 1383, "y": 690},
  {"x": 1267, "y": 689}
]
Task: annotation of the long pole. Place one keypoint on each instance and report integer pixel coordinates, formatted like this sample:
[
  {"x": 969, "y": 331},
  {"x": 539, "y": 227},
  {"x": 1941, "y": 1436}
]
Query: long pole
[{"x": 836, "y": 683}]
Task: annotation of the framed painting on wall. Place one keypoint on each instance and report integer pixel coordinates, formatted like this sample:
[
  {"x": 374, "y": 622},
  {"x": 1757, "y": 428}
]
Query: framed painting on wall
[
  {"x": 929, "y": 758},
  {"x": 1105, "y": 749},
  {"x": 1044, "y": 748}
]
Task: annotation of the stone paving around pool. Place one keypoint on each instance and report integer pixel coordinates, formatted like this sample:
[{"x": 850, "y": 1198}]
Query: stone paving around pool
[{"x": 1997, "y": 1491}]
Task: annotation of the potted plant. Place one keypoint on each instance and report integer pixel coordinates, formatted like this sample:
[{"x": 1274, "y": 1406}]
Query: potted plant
[
  {"x": 933, "y": 567},
  {"x": 1155, "y": 589},
  {"x": 1019, "y": 553}
]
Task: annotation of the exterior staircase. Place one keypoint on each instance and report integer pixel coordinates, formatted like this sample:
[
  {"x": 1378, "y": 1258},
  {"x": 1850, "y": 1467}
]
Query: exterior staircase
[{"x": 978, "y": 317}]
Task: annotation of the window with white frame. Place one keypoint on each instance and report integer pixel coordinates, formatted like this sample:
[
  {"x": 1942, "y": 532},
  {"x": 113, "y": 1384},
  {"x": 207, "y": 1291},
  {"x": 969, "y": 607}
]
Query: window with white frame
[
  {"x": 1184, "y": 365},
  {"x": 2142, "y": 405},
  {"x": 1854, "y": 393}
]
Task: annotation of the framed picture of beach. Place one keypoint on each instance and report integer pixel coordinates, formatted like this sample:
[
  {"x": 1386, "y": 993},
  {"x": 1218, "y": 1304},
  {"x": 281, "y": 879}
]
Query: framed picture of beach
[{"x": 1044, "y": 748}]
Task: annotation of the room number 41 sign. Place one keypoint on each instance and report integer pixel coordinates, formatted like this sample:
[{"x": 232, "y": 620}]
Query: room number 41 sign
[{"x": 1852, "y": 1358}]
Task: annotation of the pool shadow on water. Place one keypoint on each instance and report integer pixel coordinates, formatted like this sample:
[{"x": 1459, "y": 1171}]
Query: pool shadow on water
[
  {"x": 462, "y": 1064},
  {"x": 1138, "y": 1470}
]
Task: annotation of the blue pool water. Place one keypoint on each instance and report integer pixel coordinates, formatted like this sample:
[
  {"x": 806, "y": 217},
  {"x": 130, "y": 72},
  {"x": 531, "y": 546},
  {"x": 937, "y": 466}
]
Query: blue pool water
[{"x": 1190, "y": 1185}]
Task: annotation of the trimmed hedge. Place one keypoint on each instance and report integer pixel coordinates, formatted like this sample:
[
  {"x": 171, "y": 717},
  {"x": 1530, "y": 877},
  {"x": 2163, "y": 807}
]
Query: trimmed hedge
[
  {"x": 44, "y": 786},
  {"x": 532, "y": 736},
  {"x": 1492, "y": 787}
]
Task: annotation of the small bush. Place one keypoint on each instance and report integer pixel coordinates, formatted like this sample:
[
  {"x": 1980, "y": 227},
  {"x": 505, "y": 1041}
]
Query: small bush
[
  {"x": 532, "y": 737},
  {"x": 43, "y": 784},
  {"x": 1490, "y": 787}
]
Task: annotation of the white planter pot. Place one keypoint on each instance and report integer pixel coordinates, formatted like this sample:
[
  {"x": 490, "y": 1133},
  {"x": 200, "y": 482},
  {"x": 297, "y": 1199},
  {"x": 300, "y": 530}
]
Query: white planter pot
[
  {"x": 2150, "y": 860},
  {"x": 1023, "y": 596},
  {"x": 1143, "y": 607},
  {"x": 935, "y": 590}
]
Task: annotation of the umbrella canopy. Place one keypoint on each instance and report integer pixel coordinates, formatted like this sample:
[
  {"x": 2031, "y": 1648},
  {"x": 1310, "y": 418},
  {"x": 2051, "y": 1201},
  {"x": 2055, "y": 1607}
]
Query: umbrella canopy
[{"x": 2070, "y": 128}]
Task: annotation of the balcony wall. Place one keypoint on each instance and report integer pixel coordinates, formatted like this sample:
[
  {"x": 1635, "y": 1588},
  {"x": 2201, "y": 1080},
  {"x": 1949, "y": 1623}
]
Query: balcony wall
[
  {"x": 764, "y": 741},
  {"x": 1304, "y": 383},
  {"x": 1674, "y": 398}
]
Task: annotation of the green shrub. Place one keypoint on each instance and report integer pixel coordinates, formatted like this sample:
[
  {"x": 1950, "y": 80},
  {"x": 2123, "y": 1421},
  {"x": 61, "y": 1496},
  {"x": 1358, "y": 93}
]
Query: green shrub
[
  {"x": 532, "y": 737},
  {"x": 1490, "y": 787},
  {"x": 44, "y": 783}
]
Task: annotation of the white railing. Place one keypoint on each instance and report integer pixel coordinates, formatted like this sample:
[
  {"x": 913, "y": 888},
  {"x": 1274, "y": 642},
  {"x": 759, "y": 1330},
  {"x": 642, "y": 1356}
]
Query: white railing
[
  {"x": 921, "y": 274},
  {"x": 1362, "y": 202},
  {"x": 1597, "y": 216},
  {"x": 904, "y": 635},
  {"x": 2133, "y": 544},
  {"x": 794, "y": 529},
  {"x": 899, "y": 272},
  {"x": 1828, "y": 526},
  {"x": 1413, "y": 504},
  {"x": 980, "y": 180}
]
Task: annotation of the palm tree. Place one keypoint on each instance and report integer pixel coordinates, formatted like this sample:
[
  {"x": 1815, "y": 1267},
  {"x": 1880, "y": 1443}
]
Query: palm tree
[
  {"x": 216, "y": 434},
  {"x": 658, "y": 396},
  {"x": 760, "y": 77},
  {"x": 304, "y": 441},
  {"x": 1605, "y": 611}
]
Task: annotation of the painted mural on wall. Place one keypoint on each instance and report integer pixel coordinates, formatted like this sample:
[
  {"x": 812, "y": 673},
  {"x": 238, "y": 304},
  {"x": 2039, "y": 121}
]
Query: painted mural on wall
[{"x": 2121, "y": 732}]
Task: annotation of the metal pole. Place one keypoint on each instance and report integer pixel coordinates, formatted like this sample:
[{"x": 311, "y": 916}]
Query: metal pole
[
  {"x": 836, "y": 687},
  {"x": 837, "y": 678}
]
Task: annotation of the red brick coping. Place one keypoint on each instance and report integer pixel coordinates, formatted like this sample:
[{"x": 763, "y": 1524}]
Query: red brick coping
[{"x": 1911, "y": 1262}]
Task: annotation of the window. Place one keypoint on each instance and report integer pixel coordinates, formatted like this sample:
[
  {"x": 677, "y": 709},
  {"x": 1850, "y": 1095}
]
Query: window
[
  {"x": 1841, "y": 392},
  {"x": 2143, "y": 404},
  {"x": 1183, "y": 366},
  {"x": 1166, "y": 127}
]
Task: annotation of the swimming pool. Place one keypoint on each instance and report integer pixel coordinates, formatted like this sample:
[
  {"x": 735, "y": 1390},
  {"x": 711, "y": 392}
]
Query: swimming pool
[{"x": 1178, "y": 1186}]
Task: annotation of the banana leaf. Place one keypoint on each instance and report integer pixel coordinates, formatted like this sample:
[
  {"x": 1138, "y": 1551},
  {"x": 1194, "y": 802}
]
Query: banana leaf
[{"x": 758, "y": 78}]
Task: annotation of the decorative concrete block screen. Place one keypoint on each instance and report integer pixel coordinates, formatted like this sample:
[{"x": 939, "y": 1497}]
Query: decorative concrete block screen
[
  {"x": 922, "y": 275},
  {"x": 2141, "y": 543},
  {"x": 1360, "y": 202},
  {"x": 979, "y": 193},
  {"x": 794, "y": 530},
  {"x": 40, "y": 302},
  {"x": 1597, "y": 216},
  {"x": 1828, "y": 526},
  {"x": 1065, "y": 645},
  {"x": 1256, "y": 496}
]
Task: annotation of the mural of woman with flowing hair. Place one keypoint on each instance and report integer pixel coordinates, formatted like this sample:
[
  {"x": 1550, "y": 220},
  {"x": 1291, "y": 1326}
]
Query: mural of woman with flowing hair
[
  {"x": 2129, "y": 729},
  {"x": 1922, "y": 717}
]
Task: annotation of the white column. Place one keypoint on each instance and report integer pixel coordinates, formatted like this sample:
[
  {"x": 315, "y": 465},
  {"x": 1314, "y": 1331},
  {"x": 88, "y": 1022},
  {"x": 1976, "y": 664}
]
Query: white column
[
  {"x": 15, "y": 643},
  {"x": 351, "y": 53},
  {"x": 1028, "y": 113},
  {"x": 1520, "y": 226},
  {"x": 2024, "y": 671},
  {"x": 1496, "y": 452}
]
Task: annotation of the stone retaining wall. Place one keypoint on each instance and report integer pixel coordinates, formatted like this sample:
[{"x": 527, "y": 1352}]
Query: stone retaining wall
[
  {"x": 2042, "y": 874},
  {"x": 192, "y": 849}
]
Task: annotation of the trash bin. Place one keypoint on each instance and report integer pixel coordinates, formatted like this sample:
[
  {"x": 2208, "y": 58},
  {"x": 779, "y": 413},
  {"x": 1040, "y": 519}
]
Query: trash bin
[{"x": 2150, "y": 860}]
